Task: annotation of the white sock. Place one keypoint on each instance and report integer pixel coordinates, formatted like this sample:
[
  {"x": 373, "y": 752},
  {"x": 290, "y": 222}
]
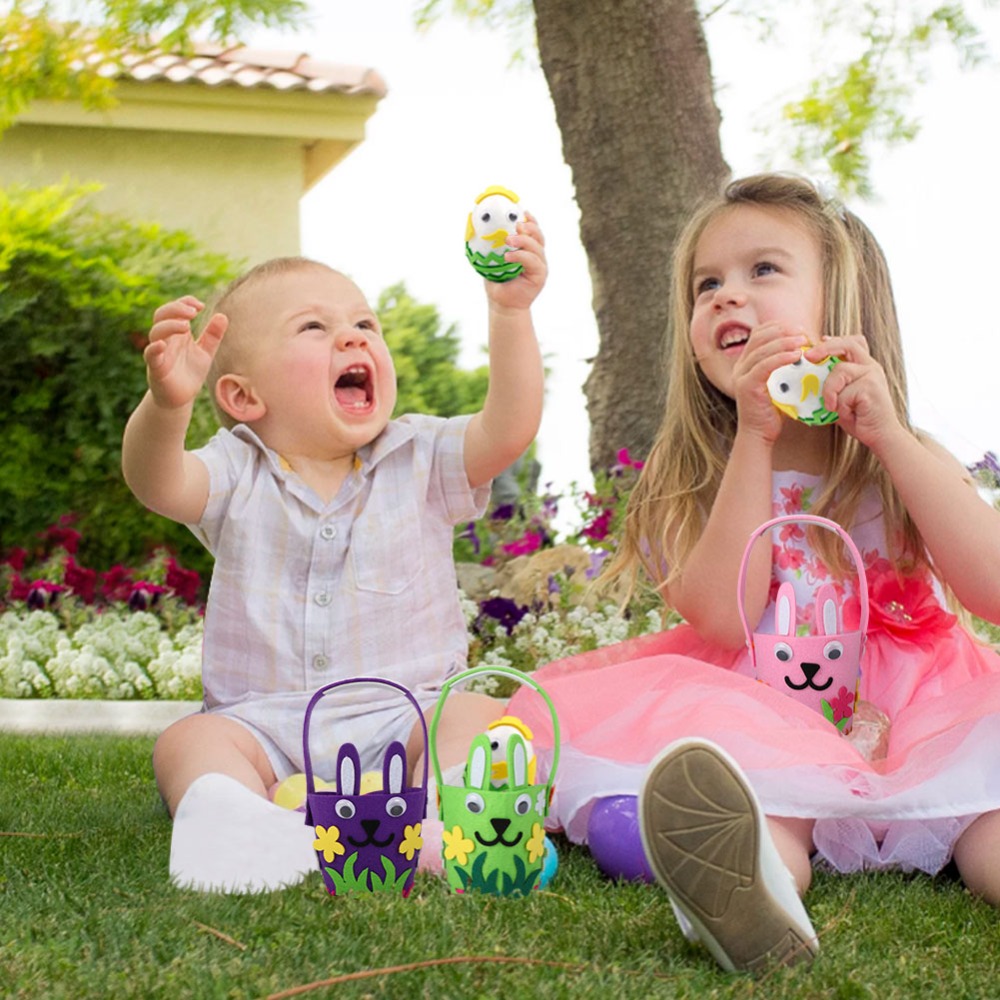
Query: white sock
[{"x": 227, "y": 839}]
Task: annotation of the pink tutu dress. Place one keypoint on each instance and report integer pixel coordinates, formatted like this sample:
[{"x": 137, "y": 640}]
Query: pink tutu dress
[{"x": 940, "y": 688}]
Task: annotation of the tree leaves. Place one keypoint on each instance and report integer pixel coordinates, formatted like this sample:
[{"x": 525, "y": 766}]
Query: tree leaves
[{"x": 47, "y": 54}]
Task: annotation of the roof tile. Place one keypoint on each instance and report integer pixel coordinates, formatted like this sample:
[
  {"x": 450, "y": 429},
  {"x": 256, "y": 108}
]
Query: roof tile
[{"x": 214, "y": 65}]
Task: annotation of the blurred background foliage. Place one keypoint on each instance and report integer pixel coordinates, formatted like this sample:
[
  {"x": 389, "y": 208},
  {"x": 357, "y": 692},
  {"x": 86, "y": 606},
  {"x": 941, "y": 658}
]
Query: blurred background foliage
[{"x": 78, "y": 289}]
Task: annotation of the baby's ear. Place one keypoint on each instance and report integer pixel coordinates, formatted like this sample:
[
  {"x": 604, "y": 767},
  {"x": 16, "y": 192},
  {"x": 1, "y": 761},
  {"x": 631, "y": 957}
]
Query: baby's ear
[{"x": 236, "y": 396}]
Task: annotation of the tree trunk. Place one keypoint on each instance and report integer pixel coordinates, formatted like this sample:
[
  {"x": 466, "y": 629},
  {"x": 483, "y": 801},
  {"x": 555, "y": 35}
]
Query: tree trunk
[{"x": 632, "y": 88}]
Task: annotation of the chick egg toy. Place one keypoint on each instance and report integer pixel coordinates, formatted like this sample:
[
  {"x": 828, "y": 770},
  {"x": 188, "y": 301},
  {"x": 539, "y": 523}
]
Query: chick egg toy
[
  {"x": 499, "y": 732},
  {"x": 797, "y": 390},
  {"x": 495, "y": 216}
]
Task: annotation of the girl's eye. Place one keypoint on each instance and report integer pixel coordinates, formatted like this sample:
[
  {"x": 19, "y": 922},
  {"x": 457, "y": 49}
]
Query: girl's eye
[
  {"x": 313, "y": 324},
  {"x": 706, "y": 285},
  {"x": 764, "y": 268}
]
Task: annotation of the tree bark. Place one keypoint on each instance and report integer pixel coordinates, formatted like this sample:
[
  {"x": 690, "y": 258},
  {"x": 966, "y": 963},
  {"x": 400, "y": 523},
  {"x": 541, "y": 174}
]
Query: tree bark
[{"x": 632, "y": 87}]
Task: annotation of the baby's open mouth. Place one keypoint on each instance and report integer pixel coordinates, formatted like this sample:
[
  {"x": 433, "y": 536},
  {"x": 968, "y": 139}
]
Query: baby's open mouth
[{"x": 354, "y": 388}]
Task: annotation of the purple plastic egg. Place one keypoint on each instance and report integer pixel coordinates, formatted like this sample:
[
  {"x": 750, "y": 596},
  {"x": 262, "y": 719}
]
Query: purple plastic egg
[{"x": 614, "y": 840}]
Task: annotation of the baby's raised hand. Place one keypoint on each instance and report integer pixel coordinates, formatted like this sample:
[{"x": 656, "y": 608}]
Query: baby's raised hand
[
  {"x": 528, "y": 250},
  {"x": 176, "y": 363}
]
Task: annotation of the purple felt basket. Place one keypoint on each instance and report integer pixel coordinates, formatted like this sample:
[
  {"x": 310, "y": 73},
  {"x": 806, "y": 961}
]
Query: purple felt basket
[{"x": 366, "y": 842}]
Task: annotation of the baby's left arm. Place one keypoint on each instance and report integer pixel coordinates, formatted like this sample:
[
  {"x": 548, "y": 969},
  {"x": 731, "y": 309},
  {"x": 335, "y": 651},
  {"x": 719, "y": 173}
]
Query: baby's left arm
[
  {"x": 960, "y": 530},
  {"x": 512, "y": 412}
]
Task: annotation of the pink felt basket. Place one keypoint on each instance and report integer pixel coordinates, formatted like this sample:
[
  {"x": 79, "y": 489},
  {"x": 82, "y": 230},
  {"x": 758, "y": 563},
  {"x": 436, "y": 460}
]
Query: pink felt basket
[{"x": 821, "y": 670}]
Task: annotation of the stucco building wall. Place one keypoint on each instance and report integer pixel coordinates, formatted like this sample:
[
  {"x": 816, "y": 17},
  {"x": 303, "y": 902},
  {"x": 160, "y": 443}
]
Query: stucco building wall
[{"x": 237, "y": 194}]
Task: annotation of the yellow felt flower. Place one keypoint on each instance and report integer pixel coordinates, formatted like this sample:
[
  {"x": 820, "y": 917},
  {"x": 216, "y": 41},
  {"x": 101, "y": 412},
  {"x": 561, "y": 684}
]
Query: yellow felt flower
[
  {"x": 457, "y": 847},
  {"x": 536, "y": 843},
  {"x": 411, "y": 842},
  {"x": 328, "y": 841}
]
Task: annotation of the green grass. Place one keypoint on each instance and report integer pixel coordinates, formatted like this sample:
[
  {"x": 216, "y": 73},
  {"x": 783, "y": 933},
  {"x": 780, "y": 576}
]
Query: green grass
[{"x": 87, "y": 910}]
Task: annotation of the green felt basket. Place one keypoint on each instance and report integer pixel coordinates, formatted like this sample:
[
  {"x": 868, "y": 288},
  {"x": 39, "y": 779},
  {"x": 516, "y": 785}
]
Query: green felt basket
[{"x": 494, "y": 837}]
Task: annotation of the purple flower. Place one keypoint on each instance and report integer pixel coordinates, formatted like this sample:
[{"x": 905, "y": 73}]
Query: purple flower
[
  {"x": 597, "y": 560},
  {"x": 503, "y": 513},
  {"x": 469, "y": 533},
  {"x": 503, "y": 610},
  {"x": 42, "y": 594},
  {"x": 989, "y": 465},
  {"x": 145, "y": 595}
]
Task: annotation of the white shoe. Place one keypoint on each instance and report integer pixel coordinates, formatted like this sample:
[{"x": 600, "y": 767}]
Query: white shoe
[
  {"x": 707, "y": 843},
  {"x": 226, "y": 839}
]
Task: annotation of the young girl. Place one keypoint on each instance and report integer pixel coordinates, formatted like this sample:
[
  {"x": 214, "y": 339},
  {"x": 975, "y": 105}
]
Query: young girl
[{"x": 752, "y": 784}]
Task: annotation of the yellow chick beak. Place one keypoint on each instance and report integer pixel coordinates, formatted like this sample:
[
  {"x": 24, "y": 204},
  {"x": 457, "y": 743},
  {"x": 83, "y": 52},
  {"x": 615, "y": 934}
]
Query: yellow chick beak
[
  {"x": 810, "y": 386},
  {"x": 499, "y": 770},
  {"x": 498, "y": 238}
]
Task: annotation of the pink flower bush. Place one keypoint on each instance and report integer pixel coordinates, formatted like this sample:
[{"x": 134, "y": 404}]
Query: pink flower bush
[{"x": 52, "y": 579}]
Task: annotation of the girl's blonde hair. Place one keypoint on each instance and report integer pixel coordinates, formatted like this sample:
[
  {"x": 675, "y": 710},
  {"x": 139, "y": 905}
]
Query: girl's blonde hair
[{"x": 672, "y": 499}]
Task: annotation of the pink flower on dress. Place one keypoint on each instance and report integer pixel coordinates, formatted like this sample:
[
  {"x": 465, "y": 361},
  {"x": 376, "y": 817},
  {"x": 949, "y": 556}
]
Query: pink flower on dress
[
  {"x": 905, "y": 608},
  {"x": 815, "y": 570},
  {"x": 785, "y": 557},
  {"x": 792, "y": 498},
  {"x": 791, "y": 531}
]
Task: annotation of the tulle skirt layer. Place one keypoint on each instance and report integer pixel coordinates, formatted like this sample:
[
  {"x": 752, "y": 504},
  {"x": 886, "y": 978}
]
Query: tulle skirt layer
[{"x": 619, "y": 706}]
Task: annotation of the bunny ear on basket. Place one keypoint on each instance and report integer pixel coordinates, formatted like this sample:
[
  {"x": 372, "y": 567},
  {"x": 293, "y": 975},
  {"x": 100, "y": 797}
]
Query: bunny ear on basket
[{"x": 822, "y": 670}]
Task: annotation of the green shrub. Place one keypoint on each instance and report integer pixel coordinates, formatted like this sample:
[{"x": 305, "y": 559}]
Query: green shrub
[
  {"x": 77, "y": 293},
  {"x": 425, "y": 358}
]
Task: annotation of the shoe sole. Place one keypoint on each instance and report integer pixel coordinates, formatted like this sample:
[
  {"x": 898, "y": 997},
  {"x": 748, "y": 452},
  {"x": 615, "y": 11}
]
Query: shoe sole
[{"x": 705, "y": 840}]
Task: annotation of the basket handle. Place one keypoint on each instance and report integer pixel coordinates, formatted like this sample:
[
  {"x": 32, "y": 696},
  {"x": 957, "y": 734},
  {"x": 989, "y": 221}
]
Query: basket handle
[
  {"x": 314, "y": 701},
  {"x": 517, "y": 675},
  {"x": 823, "y": 522}
]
